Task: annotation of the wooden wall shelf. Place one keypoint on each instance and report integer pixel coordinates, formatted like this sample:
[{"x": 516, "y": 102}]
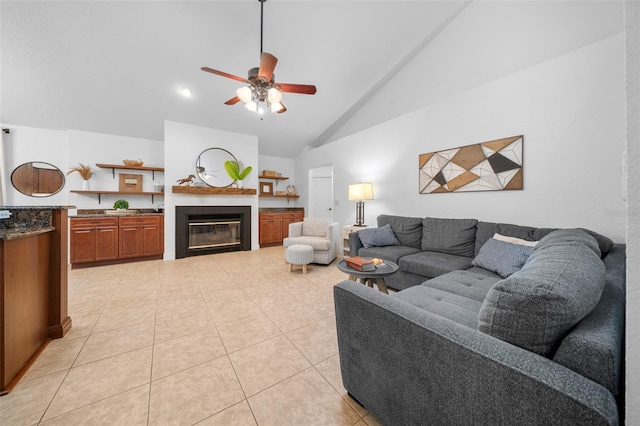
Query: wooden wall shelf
[
  {"x": 273, "y": 177},
  {"x": 101, "y": 193},
  {"x": 113, "y": 168},
  {"x": 209, "y": 190},
  {"x": 280, "y": 196}
]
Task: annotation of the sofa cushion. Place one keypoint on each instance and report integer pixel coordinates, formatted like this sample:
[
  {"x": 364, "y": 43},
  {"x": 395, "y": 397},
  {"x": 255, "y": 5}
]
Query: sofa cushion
[
  {"x": 378, "y": 237},
  {"x": 432, "y": 263},
  {"x": 473, "y": 283},
  {"x": 408, "y": 230},
  {"x": 485, "y": 230},
  {"x": 460, "y": 309},
  {"x": 314, "y": 227},
  {"x": 452, "y": 236},
  {"x": 558, "y": 286},
  {"x": 502, "y": 257},
  {"x": 392, "y": 253}
]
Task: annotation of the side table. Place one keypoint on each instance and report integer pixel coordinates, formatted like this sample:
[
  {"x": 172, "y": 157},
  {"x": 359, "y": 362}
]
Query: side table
[
  {"x": 346, "y": 230},
  {"x": 370, "y": 277}
]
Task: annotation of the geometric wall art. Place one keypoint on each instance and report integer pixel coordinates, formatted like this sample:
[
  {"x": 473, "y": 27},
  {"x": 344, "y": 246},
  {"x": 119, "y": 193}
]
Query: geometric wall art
[{"x": 487, "y": 166}]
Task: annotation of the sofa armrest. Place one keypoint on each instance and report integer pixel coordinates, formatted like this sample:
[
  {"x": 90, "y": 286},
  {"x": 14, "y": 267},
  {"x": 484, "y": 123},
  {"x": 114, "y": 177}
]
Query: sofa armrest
[
  {"x": 295, "y": 229},
  {"x": 409, "y": 366},
  {"x": 355, "y": 244}
]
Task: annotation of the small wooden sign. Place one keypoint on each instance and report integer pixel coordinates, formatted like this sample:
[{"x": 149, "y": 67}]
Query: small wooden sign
[{"x": 130, "y": 183}]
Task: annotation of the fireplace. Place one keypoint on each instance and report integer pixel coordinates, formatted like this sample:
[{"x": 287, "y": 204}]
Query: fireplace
[{"x": 212, "y": 229}]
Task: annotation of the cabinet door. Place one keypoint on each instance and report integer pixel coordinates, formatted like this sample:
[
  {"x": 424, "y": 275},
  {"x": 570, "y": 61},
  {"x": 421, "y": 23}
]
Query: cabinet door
[
  {"x": 275, "y": 232},
  {"x": 82, "y": 245},
  {"x": 106, "y": 243},
  {"x": 288, "y": 218},
  {"x": 150, "y": 240},
  {"x": 270, "y": 228},
  {"x": 128, "y": 244}
]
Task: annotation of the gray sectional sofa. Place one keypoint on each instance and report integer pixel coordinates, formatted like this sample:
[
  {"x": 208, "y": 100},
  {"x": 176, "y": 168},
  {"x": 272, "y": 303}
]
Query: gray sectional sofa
[{"x": 484, "y": 331}]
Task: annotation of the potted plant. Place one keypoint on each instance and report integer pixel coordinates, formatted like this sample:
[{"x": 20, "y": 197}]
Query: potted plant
[
  {"x": 85, "y": 172},
  {"x": 121, "y": 205},
  {"x": 236, "y": 171}
]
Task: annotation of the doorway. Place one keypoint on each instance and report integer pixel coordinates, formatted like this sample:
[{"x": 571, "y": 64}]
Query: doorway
[{"x": 321, "y": 192}]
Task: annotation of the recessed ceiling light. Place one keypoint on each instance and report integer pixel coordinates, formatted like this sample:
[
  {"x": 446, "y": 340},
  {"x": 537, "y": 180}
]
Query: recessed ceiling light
[{"x": 185, "y": 91}]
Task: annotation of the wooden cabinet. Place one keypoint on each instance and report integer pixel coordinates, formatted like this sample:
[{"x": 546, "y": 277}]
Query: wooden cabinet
[
  {"x": 270, "y": 228},
  {"x": 289, "y": 218},
  {"x": 93, "y": 239},
  {"x": 274, "y": 227},
  {"x": 108, "y": 239},
  {"x": 140, "y": 236}
]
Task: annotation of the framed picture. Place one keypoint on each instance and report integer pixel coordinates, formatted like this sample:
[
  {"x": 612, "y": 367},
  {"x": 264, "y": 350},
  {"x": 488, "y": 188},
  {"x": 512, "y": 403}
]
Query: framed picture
[{"x": 266, "y": 188}]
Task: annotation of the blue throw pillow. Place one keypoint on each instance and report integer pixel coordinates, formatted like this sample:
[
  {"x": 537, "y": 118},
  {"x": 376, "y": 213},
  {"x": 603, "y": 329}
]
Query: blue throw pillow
[
  {"x": 378, "y": 237},
  {"x": 502, "y": 257}
]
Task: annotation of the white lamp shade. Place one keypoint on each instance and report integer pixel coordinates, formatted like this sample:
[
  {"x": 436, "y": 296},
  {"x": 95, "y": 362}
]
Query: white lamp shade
[
  {"x": 277, "y": 106},
  {"x": 361, "y": 191},
  {"x": 244, "y": 93},
  {"x": 274, "y": 96},
  {"x": 251, "y": 106}
]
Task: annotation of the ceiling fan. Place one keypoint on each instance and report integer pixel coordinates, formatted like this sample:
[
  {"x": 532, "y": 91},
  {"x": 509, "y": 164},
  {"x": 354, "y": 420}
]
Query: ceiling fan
[{"x": 262, "y": 87}]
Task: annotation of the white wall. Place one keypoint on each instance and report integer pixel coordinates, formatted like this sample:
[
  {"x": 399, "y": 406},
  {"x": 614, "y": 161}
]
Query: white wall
[
  {"x": 286, "y": 166},
  {"x": 91, "y": 148},
  {"x": 571, "y": 113},
  {"x": 632, "y": 19},
  {"x": 182, "y": 145},
  {"x": 27, "y": 144}
]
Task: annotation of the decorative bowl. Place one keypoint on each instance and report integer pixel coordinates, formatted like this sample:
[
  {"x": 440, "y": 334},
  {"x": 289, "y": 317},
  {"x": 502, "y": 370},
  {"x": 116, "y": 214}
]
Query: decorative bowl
[{"x": 133, "y": 163}]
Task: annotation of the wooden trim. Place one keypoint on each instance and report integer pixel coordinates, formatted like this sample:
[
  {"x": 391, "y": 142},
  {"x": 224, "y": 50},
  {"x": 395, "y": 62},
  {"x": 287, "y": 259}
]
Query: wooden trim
[
  {"x": 209, "y": 190},
  {"x": 59, "y": 320}
]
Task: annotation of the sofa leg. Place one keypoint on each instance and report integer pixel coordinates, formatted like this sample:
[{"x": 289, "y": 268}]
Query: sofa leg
[
  {"x": 290, "y": 267},
  {"x": 355, "y": 399}
]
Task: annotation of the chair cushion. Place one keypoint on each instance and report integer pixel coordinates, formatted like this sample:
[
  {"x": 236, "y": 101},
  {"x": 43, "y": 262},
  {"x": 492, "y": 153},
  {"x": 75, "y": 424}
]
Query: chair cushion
[
  {"x": 452, "y": 236},
  {"x": 314, "y": 227},
  {"x": 318, "y": 243},
  {"x": 378, "y": 237},
  {"x": 502, "y": 257},
  {"x": 557, "y": 287}
]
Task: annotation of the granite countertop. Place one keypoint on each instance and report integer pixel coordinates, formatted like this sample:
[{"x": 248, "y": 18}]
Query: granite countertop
[
  {"x": 15, "y": 233},
  {"x": 280, "y": 209},
  {"x": 103, "y": 213},
  {"x": 37, "y": 207}
]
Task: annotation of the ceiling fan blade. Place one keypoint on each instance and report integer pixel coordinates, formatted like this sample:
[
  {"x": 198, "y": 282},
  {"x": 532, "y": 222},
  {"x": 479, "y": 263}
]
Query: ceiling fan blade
[
  {"x": 305, "y": 89},
  {"x": 233, "y": 101},
  {"x": 267, "y": 65},
  {"x": 284, "y": 109},
  {"x": 224, "y": 74}
]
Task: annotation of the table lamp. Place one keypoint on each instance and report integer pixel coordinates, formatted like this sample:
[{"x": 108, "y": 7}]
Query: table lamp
[{"x": 359, "y": 192}]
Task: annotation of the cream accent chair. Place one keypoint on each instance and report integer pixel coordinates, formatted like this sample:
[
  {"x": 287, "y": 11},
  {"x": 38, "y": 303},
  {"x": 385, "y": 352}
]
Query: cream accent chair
[{"x": 323, "y": 237}]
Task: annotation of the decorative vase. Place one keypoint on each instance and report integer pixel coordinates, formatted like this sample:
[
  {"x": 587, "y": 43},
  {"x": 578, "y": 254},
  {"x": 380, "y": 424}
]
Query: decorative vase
[{"x": 85, "y": 185}]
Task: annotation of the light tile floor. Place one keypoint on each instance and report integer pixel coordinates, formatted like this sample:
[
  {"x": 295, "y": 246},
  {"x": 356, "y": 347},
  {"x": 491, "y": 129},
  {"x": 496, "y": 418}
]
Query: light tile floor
[{"x": 225, "y": 339}]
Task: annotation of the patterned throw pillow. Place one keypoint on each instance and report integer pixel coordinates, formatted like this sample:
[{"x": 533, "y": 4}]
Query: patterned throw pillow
[
  {"x": 378, "y": 237},
  {"x": 502, "y": 257}
]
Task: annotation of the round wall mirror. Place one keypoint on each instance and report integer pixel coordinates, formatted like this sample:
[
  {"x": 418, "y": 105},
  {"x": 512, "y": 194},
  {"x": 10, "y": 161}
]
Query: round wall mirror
[
  {"x": 210, "y": 167},
  {"x": 37, "y": 179}
]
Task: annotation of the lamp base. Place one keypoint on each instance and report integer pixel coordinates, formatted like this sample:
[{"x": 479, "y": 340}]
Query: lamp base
[{"x": 362, "y": 225}]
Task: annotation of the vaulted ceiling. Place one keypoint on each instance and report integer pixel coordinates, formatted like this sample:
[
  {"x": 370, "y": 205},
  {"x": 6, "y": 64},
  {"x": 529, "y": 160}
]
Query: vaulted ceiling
[{"x": 115, "y": 67}]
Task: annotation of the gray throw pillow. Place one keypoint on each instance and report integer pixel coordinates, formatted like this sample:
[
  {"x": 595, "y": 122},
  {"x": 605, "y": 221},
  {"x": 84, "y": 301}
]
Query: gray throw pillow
[
  {"x": 557, "y": 287},
  {"x": 378, "y": 237},
  {"x": 502, "y": 257}
]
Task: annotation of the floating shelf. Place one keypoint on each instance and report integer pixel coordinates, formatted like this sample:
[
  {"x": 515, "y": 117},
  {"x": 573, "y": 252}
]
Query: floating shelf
[
  {"x": 113, "y": 168},
  {"x": 209, "y": 190},
  {"x": 273, "y": 177},
  {"x": 101, "y": 193}
]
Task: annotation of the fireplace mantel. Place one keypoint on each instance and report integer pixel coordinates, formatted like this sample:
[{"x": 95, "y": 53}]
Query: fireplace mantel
[{"x": 209, "y": 190}]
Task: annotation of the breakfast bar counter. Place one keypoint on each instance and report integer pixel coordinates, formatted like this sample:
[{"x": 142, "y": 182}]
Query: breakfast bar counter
[{"x": 33, "y": 286}]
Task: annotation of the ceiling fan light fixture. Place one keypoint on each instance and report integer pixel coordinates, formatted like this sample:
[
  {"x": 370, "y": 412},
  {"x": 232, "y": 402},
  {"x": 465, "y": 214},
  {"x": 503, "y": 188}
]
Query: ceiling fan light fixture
[
  {"x": 274, "y": 96},
  {"x": 276, "y": 107},
  {"x": 251, "y": 106},
  {"x": 244, "y": 93}
]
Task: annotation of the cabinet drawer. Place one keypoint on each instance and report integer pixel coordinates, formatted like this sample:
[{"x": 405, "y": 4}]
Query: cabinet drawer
[
  {"x": 271, "y": 216},
  {"x": 137, "y": 220},
  {"x": 83, "y": 222},
  {"x": 292, "y": 216}
]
